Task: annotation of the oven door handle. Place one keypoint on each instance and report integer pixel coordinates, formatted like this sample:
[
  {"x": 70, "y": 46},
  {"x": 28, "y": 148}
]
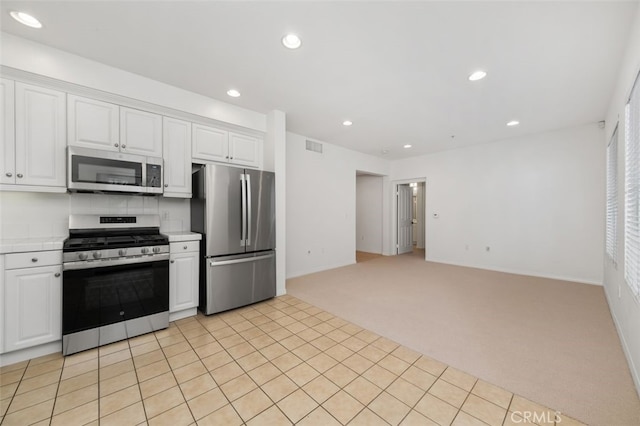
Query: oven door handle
[{"x": 72, "y": 266}]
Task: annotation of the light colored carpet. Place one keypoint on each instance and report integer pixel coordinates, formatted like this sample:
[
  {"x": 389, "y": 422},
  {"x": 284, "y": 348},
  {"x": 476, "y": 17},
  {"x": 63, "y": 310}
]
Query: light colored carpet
[{"x": 553, "y": 342}]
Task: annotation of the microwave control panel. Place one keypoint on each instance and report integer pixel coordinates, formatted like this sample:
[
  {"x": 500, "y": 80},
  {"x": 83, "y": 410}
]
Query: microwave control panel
[{"x": 154, "y": 176}]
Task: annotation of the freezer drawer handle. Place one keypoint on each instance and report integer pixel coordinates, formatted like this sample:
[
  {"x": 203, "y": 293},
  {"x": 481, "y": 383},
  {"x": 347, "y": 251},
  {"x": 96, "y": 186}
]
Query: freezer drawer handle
[{"x": 243, "y": 260}]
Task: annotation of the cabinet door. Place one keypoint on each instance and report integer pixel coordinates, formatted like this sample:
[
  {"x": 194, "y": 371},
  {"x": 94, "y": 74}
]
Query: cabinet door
[
  {"x": 92, "y": 124},
  {"x": 8, "y": 143},
  {"x": 210, "y": 144},
  {"x": 140, "y": 132},
  {"x": 40, "y": 136},
  {"x": 244, "y": 150},
  {"x": 32, "y": 306},
  {"x": 176, "y": 148},
  {"x": 183, "y": 281}
]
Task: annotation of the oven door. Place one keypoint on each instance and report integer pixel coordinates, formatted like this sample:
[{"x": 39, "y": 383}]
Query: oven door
[{"x": 104, "y": 304}]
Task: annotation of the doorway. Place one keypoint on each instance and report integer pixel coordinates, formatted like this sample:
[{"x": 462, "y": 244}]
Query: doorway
[
  {"x": 369, "y": 216},
  {"x": 409, "y": 215}
]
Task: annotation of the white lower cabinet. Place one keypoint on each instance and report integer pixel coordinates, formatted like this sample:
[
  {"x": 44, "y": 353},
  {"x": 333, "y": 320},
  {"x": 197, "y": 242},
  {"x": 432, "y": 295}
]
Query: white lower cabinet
[
  {"x": 32, "y": 299},
  {"x": 184, "y": 270}
]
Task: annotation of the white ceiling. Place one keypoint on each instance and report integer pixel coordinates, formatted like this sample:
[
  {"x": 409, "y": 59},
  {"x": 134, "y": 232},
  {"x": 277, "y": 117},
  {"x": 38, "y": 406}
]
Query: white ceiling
[{"x": 398, "y": 70}]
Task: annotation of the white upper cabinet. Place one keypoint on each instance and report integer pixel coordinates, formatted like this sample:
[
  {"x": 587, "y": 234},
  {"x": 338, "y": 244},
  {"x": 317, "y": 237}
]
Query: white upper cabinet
[
  {"x": 140, "y": 132},
  {"x": 92, "y": 123},
  {"x": 245, "y": 150},
  {"x": 8, "y": 144},
  {"x": 210, "y": 143},
  {"x": 176, "y": 148},
  {"x": 40, "y": 137}
]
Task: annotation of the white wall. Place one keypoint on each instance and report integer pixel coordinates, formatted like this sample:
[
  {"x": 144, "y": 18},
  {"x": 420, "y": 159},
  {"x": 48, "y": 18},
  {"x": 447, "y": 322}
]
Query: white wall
[
  {"x": 624, "y": 308},
  {"x": 369, "y": 213},
  {"x": 537, "y": 202},
  {"x": 276, "y": 147},
  {"x": 42, "y": 215},
  {"x": 321, "y": 204}
]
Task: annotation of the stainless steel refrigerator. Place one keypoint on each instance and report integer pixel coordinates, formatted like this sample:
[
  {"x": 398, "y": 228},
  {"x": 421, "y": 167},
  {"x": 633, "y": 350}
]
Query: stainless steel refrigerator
[{"x": 234, "y": 209}]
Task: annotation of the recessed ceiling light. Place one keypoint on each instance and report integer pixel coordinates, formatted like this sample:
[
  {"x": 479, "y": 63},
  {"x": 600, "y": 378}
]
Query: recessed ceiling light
[
  {"x": 477, "y": 75},
  {"x": 407, "y": 146},
  {"x": 347, "y": 123},
  {"x": 26, "y": 19},
  {"x": 513, "y": 123},
  {"x": 291, "y": 41},
  {"x": 233, "y": 93}
]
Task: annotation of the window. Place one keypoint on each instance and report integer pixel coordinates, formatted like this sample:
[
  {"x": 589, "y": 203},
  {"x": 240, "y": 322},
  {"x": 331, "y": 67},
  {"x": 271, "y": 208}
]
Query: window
[
  {"x": 612, "y": 197},
  {"x": 632, "y": 192}
]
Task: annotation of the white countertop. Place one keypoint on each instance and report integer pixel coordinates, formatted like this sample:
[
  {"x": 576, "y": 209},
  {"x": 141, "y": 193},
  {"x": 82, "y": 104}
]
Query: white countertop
[
  {"x": 178, "y": 236},
  {"x": 20, "y": 245}
]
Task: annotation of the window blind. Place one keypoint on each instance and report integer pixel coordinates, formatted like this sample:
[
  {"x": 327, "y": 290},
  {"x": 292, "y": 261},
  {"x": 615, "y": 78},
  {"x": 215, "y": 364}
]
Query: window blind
[
  {"x": 632, "y": 192},
  {"x": 612, "y": 198}
]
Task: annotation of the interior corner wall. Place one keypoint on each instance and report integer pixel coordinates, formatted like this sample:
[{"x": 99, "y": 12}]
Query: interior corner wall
[
  {"x": 321, "y": 204},
  {"x": 369, "y": 213},
  {"x": 625, "y": 308},
  {"x": 536, "y": 202}
]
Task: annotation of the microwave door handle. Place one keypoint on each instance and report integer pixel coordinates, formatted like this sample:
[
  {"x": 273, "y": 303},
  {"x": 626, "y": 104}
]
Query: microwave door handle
[
  {"x": 249, "y": 213},
  {"x": 243, "y": 218}
]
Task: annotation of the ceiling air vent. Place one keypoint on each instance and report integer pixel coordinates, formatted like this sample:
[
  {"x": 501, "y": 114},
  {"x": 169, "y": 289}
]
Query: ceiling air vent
[{"x": 314, "y": 146}]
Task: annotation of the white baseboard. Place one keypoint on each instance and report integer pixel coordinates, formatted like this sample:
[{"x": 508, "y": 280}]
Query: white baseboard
[
  {"x": 319, "y": 269},
  {"x": 519, "y": 272}
]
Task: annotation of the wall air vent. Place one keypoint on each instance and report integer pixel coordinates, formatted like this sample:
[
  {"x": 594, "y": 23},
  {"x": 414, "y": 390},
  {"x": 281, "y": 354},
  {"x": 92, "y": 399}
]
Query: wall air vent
[{"x": 314, "y": 146}]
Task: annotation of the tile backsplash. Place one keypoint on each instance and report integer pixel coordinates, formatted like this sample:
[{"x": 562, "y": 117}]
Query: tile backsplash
[{"x": 33, "y": 214}]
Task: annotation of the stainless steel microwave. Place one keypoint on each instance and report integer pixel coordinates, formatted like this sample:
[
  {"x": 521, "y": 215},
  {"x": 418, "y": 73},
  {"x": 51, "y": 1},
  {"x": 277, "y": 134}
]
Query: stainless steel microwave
[{"x": 94, "y": 170}]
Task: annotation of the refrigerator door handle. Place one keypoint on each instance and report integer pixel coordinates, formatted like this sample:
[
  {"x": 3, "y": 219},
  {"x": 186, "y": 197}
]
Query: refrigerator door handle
[
  {"x": 249, "y": 211},
  {"x": 243, "y": 236},
  {"x": 243, "y": 260}
]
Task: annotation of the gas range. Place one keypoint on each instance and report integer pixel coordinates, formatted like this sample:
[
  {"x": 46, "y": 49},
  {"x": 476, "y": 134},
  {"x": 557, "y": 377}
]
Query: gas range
[
  {"x": 97, "y": 238},
  {"x": 115, "y": 280}
]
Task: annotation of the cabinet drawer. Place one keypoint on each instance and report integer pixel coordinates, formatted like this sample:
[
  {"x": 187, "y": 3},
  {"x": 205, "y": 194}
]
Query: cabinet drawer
[
  {"x": 33, "y": 259},
  {"x": 184, "y": 247}
]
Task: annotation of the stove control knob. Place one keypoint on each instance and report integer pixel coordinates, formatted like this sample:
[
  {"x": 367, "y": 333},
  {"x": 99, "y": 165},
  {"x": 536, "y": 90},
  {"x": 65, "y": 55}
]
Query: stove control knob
[
  {"x": 122, "y": 252},
  {"x": 156, "y": 249},
  {"x": 145, "y": 250},
  {"x": 83, "y": 256},
  {"x": 97, "y": 255}
]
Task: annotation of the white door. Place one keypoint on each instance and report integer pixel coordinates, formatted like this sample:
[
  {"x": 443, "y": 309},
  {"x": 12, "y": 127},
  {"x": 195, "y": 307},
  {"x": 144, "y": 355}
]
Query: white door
[
  {"x": 210, "y": 144},
  {"x": 41, "y": 135},
  {"x": 405, "y": 225},
  {"x": 33, "y": 298},
  {"x": 140, "y": 132},
  {"x": 183, "y": 281},
  {"x": 177, "y": 157},
  {"x": 92, "y": 123},
  {"x": 244, "y": 150},
  {"x": 8, "y": 142}
]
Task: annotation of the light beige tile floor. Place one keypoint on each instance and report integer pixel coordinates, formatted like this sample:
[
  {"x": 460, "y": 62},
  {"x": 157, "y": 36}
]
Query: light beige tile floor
[{"x": 279, "y": 362}]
